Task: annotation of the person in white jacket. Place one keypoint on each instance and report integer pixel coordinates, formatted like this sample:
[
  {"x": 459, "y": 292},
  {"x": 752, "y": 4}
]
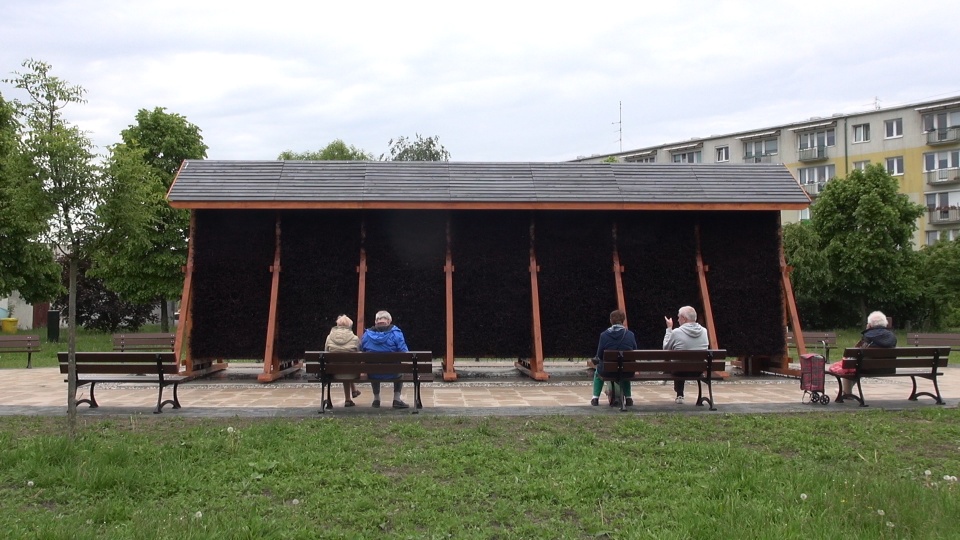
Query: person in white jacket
[
  {"x": 342, "y": 339},
  {"x": 688, "y": 336}
]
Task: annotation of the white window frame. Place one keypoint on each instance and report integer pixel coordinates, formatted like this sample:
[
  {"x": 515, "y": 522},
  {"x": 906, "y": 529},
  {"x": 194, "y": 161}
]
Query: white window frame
[
  {"x": 932, "y": 237},
  {"x": 811, "y": 139},
  {"x": 861, "y": 165},
  {"x": 893, "y": 128},
  {"x": 861, "y": 133},
  {"x": 819, "y": 174},
  {"x": 723, "y": 154},
  {"x": 804, "y": 214},
  {"x": 895, "y": 165},
  {"x": 694, "y": 156},
  {"x": 946, "y": 159}
]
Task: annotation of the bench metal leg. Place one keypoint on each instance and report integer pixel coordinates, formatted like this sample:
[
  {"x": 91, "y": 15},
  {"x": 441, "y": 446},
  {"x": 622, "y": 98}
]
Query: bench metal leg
[
  {"x": 700, "y": 399},
  {"x": 914, "y": 394},
  {"x": 417, "y": 404},
  {"x": 175, "y": 402},
  {"x": 29, "y": 360},
  {"x": 92, "y": 400},
  {"x": 326, "y": 402}
]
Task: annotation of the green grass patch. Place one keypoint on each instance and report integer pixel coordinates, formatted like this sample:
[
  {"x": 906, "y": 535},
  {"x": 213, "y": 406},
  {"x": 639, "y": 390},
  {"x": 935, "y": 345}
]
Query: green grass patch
[{"x": 672, "y": 476}]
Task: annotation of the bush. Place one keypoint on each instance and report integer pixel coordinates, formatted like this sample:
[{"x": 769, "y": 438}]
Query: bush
[{"x": 99, "y": 308}]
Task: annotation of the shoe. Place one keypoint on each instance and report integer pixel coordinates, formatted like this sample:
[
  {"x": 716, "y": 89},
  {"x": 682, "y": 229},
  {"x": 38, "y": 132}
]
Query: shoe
[
  {"x": 399, "y": 404},
  {"x": 629, "y": 402},
  {"x": 595, "y": 401},
  {"x": 679, "y": 400},
  {"x": 355, "y": 393},
  {"x": 348, "y": 403},
  {"x": 376, "y": 404}
]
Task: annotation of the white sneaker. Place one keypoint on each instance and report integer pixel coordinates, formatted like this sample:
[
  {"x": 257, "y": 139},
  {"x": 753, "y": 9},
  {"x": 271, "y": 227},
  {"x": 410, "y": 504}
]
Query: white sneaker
[{"x": 679, "y": 400}]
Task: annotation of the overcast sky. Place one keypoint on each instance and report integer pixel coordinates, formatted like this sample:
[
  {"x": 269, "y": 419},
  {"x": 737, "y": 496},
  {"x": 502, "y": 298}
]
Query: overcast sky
[{"x": 495, "y": 81}]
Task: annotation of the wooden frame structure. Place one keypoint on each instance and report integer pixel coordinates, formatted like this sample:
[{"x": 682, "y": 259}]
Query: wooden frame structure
[{"x": 275, "y": 367}]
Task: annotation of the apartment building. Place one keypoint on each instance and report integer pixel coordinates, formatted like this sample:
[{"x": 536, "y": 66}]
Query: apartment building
[{"x": 919, "y": 144}]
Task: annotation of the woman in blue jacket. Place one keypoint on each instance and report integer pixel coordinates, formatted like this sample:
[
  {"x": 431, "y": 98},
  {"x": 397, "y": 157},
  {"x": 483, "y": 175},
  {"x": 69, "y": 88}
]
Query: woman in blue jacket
[{"x": 384, "y": 336}]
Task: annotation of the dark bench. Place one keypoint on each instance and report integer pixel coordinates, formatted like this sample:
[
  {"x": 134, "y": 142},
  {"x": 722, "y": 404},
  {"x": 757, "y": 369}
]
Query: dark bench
[
  {"x": 659, "y": 365},
  {"x": 143, "y": 342},
  {"x": 922, "y": 362},
  {"x": 159, "y": 368},
  {"x": 935, "y": 340},
  {"x": 413, "y": 366},
  {"x": 21, "y": 344},
  {"x": 814, "y": 340}
]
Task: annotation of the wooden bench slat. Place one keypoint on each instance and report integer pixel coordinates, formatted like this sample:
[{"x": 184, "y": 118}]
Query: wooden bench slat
[
  {"x": 21, "y": 344},
  {"x": 412, "y": 366},
  {"x": 881, "y": 362},
  {"x": 661, "y": 365},
  {"x": 162, "y": 373},
  {"x": 143, "y": 341}
]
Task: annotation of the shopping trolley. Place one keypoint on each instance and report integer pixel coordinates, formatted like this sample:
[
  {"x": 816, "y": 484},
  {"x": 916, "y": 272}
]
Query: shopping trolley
[{"x": 811, "y": 378}]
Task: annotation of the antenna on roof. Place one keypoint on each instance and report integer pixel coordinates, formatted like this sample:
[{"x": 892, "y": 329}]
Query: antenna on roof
[
  {"x": 620, "y": 128},
  {"x": 876, "y": 102}
]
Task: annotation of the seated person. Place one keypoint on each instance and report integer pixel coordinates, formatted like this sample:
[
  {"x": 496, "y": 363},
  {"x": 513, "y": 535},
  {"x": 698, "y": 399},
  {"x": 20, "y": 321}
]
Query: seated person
[
  {"x": 875, "y": 335},
  {"x": 384, "y": 337},
  {"x": 688, "y": 336},
  {"x": 615, "y": 338},
  {"x": 342, "y": 339}
]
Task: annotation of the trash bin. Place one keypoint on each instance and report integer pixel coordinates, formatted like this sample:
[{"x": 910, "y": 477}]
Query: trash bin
[
  {"x": 8, "y": 325},
  {"x": 53, "y": 325}
]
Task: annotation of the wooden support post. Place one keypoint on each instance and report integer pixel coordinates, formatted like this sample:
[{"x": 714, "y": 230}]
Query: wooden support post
[
  {"x": 702, "y": 270},
  {"x": 617, "y": 275},
  {"x": 271, "y": 363},
  {"x": 790, "y": 305},
  {"x": 185, "y": 321},
  {"x": 362, "y": 285},
  {"x": 449, "y": 373},
  {"x": 534, "y": 368}
]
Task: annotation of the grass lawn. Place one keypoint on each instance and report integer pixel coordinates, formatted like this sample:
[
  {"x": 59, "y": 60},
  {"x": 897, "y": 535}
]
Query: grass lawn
[{"x": 813, "y": 475}]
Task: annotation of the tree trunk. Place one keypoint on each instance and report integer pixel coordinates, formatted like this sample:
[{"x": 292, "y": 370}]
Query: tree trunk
[
  {"x": 164, "y": 317},
  {"x": 72, "y": 348}
]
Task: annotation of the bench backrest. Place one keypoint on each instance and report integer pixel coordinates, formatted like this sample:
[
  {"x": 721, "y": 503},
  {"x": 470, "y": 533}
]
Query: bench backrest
[
  {"x": 377, "y": 363},
  {"x": 20, "y": 343},
  {"x": 127, "y": 342},
  {"x": 814, "y": 338},
  {"x": 121, "y": 363},
  {"x": 659, "y": 360},
  {"x": 899, "y": 357},
  {"x": 928, "y": 340}
]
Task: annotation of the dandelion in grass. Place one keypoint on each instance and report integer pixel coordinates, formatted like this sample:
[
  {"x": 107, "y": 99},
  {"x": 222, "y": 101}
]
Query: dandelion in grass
[
  {"x": 29, "y": 483},
  {"x": 927, "y": 472},
  {"x": 890, "y": 524},
  {"x": 230, "y": 429},
  {"x": 803, "y": 496},
  {"x": 881, "y": 512},
  {"x": 295, "y": 502},
  {"x": 198, "y": 515}
]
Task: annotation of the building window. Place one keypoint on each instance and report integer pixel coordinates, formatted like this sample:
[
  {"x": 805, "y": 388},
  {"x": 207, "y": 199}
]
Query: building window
[
  {"x": 687, "y": 157},
  {"x": 817, "y": 139},
  {"x": 861, "y": 165},
  {"x": 932, "y": 237},
  {"x": 723, "y": 154},
  {"x": 893, "y": 128},
  {"x": 935, "y": 161},
  {"x": 805, "y": 214},
  {"x": 648, "y": 159},
  {"x": 895, "y": 165},
  {"x": 816, "y": 175},
  {"x": 941, "y": 120},
  {"x": 861, "y": 133},
  {"x": 938, "y": 200},
  {"x": 758, "y": 149}
]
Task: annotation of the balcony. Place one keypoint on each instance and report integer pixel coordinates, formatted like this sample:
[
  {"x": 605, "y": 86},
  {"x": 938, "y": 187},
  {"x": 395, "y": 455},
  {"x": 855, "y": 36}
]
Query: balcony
[
  {"x": 814, "y": 189},
  {"x": 814, "y": 153},
  {"x": 758, "y": 158},
  {"x": 942, "y": 216},
  {"x": 942, "y": 177},
  {"x": 943, "y": 136}
]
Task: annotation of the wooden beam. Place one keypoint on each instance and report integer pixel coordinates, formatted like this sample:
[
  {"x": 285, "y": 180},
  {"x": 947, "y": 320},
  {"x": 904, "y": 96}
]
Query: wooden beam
[
  {"x": 617, "y": 275},
  {"x": 481, "y": 205},
  {"x": 449, "y": 373},
  {"x": 271, "y": 364},
  {"x": 535, "y": 367},
  {"x": 791, "y": 305},
  {"x": 702, "y": 270},
  {"x": 184, "y": 320},
  {"x": 362, "y": 284}
]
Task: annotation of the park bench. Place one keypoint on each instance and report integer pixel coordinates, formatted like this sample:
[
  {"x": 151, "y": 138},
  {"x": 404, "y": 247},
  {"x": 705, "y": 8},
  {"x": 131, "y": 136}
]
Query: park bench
[
  {"x": 139, "y": 367},
  {"x": 660, "y": 365},
  {"x": 913, "y": 362},
  {"x": 815, "y": 340},
  {"x": 935, "y": 340},
  {"x": 413, "y": 366},
  {"x": 21, "y": 344},
  {"x": 143, "y": 342}
]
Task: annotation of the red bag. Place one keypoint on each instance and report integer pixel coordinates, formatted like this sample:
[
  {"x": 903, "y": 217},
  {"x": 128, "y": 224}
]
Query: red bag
[{"x": 837, "y": 369}]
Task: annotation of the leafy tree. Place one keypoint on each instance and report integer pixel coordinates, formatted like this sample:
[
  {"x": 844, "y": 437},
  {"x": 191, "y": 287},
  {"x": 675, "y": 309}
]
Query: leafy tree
[
  {"x": 26, "y": 264},
  {"x": 101, "y": 309},
  {"x": 335, "y": 151},
  {"x": 863, "y": 228},
  {"x": 419, "y": 149},
  {"x": 940, "y": 268},
  {"x": 62, "y": 184},
  {"x": 142, "y": 241}
]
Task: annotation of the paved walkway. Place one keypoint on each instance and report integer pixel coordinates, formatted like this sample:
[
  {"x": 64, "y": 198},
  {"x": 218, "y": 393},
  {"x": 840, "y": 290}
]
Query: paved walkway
[{"x": 489, "y": 390}]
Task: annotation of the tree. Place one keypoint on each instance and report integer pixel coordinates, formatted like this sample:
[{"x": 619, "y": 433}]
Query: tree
[
  {"x": 101, "y": 309},
  {"x": 27, "y": 265},
  {"x": 419, "y": 149},
  {"x": 335, "y": 151},
  {"x": 863, "y": 228},
  {"x": 940, "y": 268},
  {"x": 142, "y": 241},
  {"x": 62, "y": 184}
]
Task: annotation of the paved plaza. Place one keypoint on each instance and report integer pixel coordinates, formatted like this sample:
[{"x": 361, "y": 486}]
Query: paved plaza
[{"x": 481, "y": 390}]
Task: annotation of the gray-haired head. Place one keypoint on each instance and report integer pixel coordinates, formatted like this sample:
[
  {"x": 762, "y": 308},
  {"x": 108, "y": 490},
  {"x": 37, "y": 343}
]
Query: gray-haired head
[
  {"x": 876, "y": 320},
  {"x": 383, "y": 316},
  {"x": 687, "y": 313}
]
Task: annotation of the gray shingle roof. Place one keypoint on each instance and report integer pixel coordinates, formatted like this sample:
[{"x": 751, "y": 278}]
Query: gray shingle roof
[{"x": 386, "y": 184}]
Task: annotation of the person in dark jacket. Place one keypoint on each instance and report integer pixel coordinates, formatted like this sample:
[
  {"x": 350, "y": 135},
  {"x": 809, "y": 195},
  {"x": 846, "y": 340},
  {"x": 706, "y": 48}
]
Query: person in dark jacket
[
  {"x": 876, "y": 335},
  {"x": 384, "y": 336},
  {"x": 615, "y": 338}
]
